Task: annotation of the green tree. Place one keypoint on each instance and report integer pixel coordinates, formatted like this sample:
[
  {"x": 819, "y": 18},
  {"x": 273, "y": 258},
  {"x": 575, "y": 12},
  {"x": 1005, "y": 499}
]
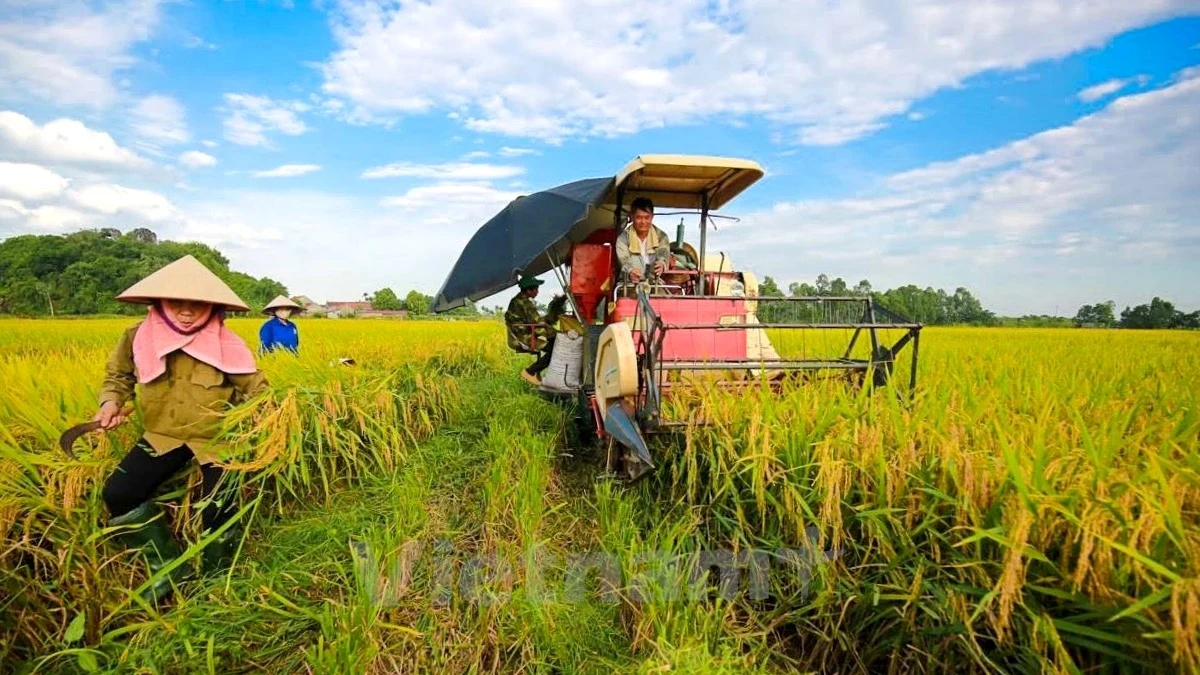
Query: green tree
[
  {"x": 82, "y": 272},
  {"x": 417, "y": 303},
  {"x": 385, "y": 298},
  {"x": 1099, "y": 315},
  {"x": 769, "y": 288},
  {"x": 799, "y": 290},
  {"x": 771, "y": 312},
  {"x": 1157, "y": 314}
]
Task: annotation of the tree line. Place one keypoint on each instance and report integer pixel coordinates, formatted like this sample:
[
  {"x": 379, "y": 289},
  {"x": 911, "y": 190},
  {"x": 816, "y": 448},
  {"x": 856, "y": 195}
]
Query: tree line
[
  {"x": 81, "y": 273},
  {"x": 924, "y": 305},
  {"x": 414, "y": 302},
  {"x": 1157, "y": 313},
  {"x": 937, "y": 307}
]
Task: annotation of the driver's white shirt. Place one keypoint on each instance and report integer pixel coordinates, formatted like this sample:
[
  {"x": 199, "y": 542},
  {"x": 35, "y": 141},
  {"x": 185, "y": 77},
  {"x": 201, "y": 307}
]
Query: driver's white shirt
[{"x": 646, "y": 253}]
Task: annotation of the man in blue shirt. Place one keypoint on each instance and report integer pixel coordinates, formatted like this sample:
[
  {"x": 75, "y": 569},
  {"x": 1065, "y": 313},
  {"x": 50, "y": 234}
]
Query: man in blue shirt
[{"x": 279, "y": 332}]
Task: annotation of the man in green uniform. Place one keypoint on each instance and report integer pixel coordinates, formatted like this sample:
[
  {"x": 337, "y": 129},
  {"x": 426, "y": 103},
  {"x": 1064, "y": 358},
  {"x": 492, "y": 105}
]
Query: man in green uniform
[{"x": 528, "y": 331}]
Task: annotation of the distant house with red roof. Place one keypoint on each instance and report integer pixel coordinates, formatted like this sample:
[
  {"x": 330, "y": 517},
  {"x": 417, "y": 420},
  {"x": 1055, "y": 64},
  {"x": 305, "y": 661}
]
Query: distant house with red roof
[
  {"x": 335, "y": 308},
  {"x": 360, "y": 308}
]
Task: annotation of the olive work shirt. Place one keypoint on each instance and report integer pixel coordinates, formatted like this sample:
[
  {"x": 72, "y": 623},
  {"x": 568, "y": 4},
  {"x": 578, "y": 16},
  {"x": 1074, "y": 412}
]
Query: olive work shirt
[
  {"x": 184, "y": 405},
  {"x": 630, "y": 251}
]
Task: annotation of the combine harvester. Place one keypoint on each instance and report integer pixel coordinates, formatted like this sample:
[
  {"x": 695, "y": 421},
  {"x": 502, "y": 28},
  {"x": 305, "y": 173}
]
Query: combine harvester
[{"x": 702, "y": 323}]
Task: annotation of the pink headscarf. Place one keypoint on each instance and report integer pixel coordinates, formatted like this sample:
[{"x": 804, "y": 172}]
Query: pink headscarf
[{"x": 213, "y": 344}]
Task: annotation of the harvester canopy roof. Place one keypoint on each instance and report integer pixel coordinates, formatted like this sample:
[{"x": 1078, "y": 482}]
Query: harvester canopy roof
[
  {"x": 681, "y": 181},
  {"x": 535, "y": 233}
]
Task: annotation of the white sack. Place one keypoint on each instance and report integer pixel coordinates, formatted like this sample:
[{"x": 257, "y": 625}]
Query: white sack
[{"x": 566, "y": 363}]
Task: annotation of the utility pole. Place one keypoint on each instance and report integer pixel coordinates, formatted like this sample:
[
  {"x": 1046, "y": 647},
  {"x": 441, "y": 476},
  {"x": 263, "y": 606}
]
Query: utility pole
[{"x": 45, "y": 289}]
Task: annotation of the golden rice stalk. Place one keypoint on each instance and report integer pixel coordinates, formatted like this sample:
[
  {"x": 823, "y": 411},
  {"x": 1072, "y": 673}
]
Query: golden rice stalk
[
  {"x": 1185, "y": 621},
  {"x": 1012, "y": 579},
  {"x": 74, "y": 484},
  {"x": 9, "y": 509},
  {"x": 834, "y": 476}
]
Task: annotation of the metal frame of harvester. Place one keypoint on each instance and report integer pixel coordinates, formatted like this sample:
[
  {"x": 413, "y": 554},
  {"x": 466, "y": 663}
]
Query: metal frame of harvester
[{"x": 657, "y": 363}]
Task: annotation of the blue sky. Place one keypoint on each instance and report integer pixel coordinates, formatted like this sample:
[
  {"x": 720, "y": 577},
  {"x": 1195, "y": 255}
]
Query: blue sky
[{"x": 1043, "y": 153}]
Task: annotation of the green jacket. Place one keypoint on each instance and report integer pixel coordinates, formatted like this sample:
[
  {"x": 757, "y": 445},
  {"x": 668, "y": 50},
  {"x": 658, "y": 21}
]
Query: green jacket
[
  {"x": 184, "y": 405},
  {"x": 523, "y": 338}
]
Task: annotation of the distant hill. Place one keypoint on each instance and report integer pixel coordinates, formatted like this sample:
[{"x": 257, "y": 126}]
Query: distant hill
[{"x": 81, "y": 273}]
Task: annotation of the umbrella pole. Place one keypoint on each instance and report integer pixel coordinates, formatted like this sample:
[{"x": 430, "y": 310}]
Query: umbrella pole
[{"x": 565, "y": 282}]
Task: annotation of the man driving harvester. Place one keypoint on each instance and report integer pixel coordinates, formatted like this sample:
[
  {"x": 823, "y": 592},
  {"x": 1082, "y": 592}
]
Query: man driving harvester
[{"x": 642, "y": 244}]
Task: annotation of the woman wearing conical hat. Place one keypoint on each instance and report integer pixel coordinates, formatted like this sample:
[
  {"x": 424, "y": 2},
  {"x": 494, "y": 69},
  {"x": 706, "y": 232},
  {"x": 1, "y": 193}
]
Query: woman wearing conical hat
[
  {"x": 279, "y": 332},
  {"x": 185, "y": 367}
]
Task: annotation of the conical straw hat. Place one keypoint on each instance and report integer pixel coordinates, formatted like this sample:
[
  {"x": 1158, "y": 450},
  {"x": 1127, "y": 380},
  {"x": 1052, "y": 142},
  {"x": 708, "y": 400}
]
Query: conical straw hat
[
  {"x": 184, "y": 279},
  {"x": 282, "y": 301}
]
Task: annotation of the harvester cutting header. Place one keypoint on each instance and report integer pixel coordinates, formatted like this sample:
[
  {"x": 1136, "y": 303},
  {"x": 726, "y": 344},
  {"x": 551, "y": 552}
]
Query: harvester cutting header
[{"x": 645, "y": 333}]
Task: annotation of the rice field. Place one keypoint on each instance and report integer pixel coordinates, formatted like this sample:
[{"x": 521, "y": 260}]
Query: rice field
[{"x": 1035, "y": 508}]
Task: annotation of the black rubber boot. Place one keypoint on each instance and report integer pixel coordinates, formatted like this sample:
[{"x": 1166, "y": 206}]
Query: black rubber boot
[
  {"x": 218, "y": 555},
  {"x": 146, "y": 530}
]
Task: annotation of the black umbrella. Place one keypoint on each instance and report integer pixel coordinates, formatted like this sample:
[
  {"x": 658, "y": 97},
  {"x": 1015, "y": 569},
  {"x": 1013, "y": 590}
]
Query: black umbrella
[{"x": 529, "y": 236}]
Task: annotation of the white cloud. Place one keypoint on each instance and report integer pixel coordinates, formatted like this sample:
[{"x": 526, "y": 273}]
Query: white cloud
[
  {"x": 48, "y": 218},
  {"x": 112, "y": 200},
  {"x": 92, "y": 205},
  {"x": 1102, "y": 207},
  {"x": 29, "y": 182},
  {"x": 477, "y": 154},
  {"x": 221, "y": 233},
  {"x": 1102, "y": 90},
  {"x": 249, "y": 119},
  {"x": 197, "y": 42},
  {"x": 412, "y": 243},
  {"x": 68, "y": 52},
  {"x": 159, "y": 120},
  {"x": 462, "y": 194},
  {"x": 194, "y": 159},
  {"x": 35, "y": 198},
  {"x": 288, "y": 171},
  {"x": 453, "y": 171},
  {"x": 516, "y": 152},
  {"x": 109, "y": 205},
  {"x": 825, "y": 72},
  {"x": 62, "y": 141},
  {"x": 209, "y": 144},
  {"x": 1188, "y": 73},
  {"x": 54, "y": 217}
]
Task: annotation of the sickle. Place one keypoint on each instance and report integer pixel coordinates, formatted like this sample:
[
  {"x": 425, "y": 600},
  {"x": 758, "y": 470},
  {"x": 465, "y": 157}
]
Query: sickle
[{"x": 71, "y": 435}]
